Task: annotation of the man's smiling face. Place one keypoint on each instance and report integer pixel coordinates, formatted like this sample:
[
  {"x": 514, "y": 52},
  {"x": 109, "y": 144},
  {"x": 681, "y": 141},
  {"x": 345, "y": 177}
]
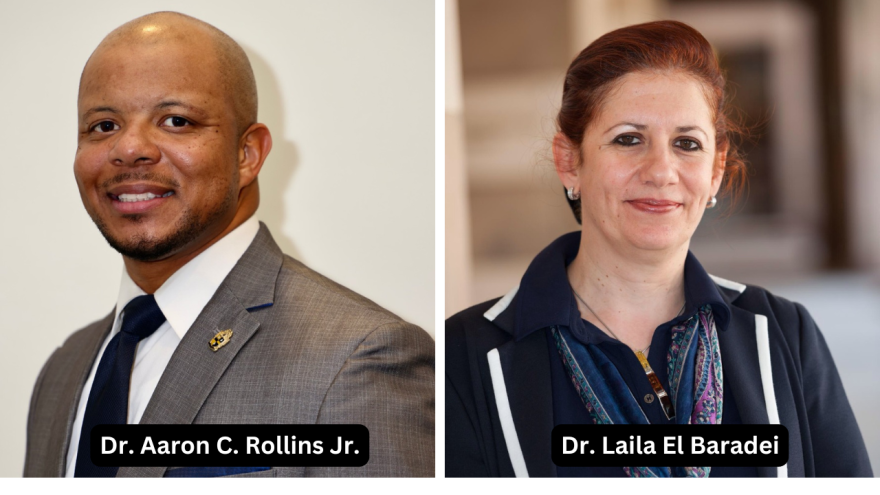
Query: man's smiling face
[{"x": 158, "y": 152}]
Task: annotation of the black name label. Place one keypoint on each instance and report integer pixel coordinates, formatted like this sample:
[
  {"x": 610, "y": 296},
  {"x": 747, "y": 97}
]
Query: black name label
[
  {"x": 230, "y": 445},
  {"x": 669, "y": 445}
]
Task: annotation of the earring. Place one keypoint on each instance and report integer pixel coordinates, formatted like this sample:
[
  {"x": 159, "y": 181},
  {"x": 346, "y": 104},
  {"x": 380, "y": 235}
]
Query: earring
[
  {"x": 573, "y": 195},
  {"x": 712, "y": 202}
]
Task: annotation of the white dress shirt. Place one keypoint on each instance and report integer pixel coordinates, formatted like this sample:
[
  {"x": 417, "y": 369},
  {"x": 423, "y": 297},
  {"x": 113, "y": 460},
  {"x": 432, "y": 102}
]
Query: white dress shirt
[{"x": 181, "y": 298}]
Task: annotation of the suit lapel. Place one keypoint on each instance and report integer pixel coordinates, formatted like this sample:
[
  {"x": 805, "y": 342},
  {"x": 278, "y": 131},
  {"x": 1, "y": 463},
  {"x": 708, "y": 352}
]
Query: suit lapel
[
  {"x": 194, "y": 368},
  {"x": 526, "y": 367},
  {"x": 744, "y": 374},
  {"x": 82, "y": 357}
]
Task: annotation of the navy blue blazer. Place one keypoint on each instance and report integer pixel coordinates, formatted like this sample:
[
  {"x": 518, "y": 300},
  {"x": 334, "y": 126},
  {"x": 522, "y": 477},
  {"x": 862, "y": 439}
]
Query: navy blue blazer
[{"x": 499, "y": 405}]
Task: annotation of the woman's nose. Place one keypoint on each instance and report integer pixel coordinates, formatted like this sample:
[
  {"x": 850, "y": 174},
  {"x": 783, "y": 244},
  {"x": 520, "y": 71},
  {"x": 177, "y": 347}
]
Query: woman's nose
[
  {"x": 659, "y": 168},
  {"x": 135, "y": 146}
]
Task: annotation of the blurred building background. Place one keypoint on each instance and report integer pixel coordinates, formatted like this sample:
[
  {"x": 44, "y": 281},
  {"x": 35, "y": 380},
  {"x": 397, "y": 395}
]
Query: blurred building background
[{"x": 807, "y": 79}]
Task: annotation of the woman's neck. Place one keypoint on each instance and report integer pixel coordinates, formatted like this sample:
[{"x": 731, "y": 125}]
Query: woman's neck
[{"x": 630, "y": 292}]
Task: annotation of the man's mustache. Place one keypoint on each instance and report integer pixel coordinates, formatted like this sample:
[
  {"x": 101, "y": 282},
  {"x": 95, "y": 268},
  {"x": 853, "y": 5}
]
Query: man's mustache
[{"x": 140, "y": 177}]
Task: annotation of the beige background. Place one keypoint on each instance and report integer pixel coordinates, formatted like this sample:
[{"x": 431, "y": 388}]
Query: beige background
[{"x": 347, "y": 88}]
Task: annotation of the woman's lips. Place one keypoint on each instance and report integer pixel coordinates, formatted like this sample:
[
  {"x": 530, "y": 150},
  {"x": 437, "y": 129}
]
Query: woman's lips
[{"x": 650, "y": 205}]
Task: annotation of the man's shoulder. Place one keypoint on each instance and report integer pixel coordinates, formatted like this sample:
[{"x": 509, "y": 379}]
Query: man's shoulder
[
  {"x": 290, "y": 298},
  {"x": 74, "y": 355},
  {"x": 86, "y": 337},
  {"x": 311, "y": 298}
]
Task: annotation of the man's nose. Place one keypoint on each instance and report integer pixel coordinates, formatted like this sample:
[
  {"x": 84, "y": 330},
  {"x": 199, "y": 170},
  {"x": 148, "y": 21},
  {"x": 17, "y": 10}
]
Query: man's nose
[
  {"x": 660, "y": 168},
  {"x": 135, "y": 146}
]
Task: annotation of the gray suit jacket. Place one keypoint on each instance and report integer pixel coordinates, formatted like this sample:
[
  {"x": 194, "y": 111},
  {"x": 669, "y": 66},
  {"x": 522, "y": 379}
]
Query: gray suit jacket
[{"x": 305, "y": 351}]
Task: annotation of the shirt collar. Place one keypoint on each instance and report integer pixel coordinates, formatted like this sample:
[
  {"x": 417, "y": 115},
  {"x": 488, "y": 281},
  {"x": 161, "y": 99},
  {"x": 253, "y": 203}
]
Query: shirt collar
[
  {"x": 545, "y": 298},
  {"x": 186, "y": 293}
]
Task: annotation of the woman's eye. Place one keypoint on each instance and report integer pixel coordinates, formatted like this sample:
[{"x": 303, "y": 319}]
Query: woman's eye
[
  {"x": 627, "y": 140},
  {"x": 105, "y": 126},
  {"x": 175, "y": 122},
  {"x": 688, "y": 145}
]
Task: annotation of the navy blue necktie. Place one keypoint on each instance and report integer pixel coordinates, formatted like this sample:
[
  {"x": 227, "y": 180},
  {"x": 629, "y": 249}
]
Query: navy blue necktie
[{"x": 108, "y": 400}]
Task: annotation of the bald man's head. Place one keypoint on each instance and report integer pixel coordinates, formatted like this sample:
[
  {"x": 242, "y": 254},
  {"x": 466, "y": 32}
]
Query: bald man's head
[
  {"x": 221, "y": 52},
  {"x": 169, "y": 148}
]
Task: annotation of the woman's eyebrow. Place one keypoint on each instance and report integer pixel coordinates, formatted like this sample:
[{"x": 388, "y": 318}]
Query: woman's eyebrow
[
  {"x": 691, "y": 128},
  {"x": 639, "y": 127},
  {"x": 642, "y": 127}
]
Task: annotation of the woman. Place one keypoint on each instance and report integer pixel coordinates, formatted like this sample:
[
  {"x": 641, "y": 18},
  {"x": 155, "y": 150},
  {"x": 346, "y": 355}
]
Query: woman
[{"x": 643, "y": 149}]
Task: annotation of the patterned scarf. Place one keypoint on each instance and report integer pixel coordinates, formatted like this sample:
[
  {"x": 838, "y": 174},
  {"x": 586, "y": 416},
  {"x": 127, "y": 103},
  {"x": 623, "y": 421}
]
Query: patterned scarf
[{"x": 695, "y": 380}]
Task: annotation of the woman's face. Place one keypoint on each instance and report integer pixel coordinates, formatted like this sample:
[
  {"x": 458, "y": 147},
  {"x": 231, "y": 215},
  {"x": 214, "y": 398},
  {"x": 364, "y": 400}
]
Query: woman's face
[{"x": 648, "y": 163}]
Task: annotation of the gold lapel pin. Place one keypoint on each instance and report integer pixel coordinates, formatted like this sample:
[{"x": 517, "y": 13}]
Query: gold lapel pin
[{"x": 219, "y": 340}]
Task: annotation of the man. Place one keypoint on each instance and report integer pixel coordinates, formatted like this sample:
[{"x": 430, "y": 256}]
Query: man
[{"x": 167, "y": 161}]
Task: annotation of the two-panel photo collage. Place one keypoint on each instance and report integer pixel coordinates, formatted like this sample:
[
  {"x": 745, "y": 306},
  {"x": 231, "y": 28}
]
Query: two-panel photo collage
[{"x": 437, "y": 242}]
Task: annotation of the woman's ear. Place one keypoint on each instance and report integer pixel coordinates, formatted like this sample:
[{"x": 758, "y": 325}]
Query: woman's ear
[
  {"x": 718, "y": 170},
  {"x": 566, "y": 158}
]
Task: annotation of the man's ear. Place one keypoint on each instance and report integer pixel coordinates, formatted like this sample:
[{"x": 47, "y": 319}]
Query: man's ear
[
  {"x": 253, "y": 148},
  {"x": 566, "y": 158}
]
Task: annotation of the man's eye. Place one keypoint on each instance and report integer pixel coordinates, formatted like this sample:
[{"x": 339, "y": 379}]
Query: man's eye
[
  {"x": 688, "y": 145},
  {"x": 105, "y": 126},
  {"x": 627, "y": 140},
  {"x": 175, "y": 122}
]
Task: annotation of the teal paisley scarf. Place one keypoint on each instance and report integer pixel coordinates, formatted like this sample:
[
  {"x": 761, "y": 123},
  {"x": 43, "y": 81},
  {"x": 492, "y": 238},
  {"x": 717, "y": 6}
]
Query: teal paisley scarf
[{"x": 695, "y": 379}]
